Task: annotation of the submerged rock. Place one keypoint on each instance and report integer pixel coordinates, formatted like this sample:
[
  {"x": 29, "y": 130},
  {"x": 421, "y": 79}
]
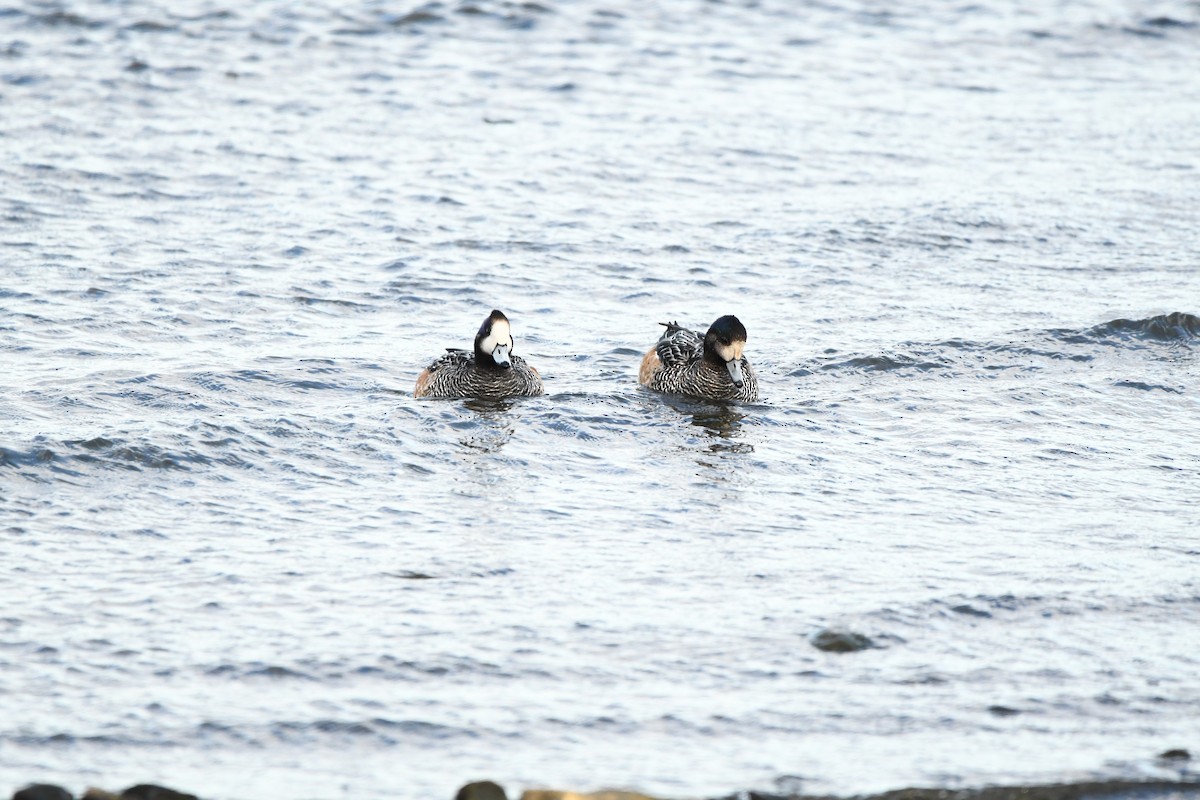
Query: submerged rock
[
  {"x": 143, "y": 791},
  {"x": 42, "y": 791},
  {"x": 93, "y": 793},
  {"x": 832, "y": 640},
  {"x": 148, "y": 791},
  {"x": 481, "y": 790},
  {"x": 603, "y": 794}
]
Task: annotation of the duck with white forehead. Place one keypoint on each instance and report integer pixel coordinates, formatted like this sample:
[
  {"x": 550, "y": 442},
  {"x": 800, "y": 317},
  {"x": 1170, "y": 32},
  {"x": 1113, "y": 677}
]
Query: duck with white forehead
[
  {"x": 710, "y": 367},
  {"x": 491, "y": 372}
]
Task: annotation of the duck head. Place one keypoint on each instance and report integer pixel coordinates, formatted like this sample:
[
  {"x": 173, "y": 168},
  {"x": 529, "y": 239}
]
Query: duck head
[
  {"x": 723, "y": 345},
  {"x": 494, "y": 342}
]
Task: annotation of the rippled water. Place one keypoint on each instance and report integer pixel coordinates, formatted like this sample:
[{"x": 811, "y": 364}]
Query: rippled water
[{"x": 242, "y": 560}]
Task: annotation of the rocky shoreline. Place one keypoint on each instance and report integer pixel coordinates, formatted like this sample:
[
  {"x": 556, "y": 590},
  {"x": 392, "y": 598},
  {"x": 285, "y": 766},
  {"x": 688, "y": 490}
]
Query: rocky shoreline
[{"x": 488, "y": 790}]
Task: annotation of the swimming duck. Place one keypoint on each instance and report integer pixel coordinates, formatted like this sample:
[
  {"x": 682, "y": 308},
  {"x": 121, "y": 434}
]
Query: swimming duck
[
  {"x": 491, "y": 372},
  {"x": 710, "y": 366}
]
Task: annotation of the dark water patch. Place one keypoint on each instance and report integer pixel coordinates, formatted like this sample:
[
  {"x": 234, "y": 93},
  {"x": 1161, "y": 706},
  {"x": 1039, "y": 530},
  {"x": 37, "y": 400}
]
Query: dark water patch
[
  {"x": 1148, "y": 33},
  {"x": 409, "y": 575},
  {"x": 294, "y": 731},
  {"x": 603, "y": 722},
  {"x": 134, "y": 456},
  {"x": 1168, "y": 23},
  {"x": 413, "y": 299},
  {"x": 924, "y": 679},
  {"x": 539, "y": 247},
  {"x": 564, "y": 425},
  {"x": 25, "y": 80},
  {"x": 885, "y": 363},
  {"x": 36, "y": 455},
  {"x": 312, "y": 300},
  {"x": 209, "y": 730},
  {"x": 150, "y": 26},
  {"x": 424, "y": 730},
  {"x": 65, "y": 19},
  {"x": 364, "y": 30},
  {"x": 1045, "y": 34},
  {"x": 273, "y": 671},
  {"x": 384, "y": 731},
  {"x": 979, "y": 223},
  {"x": 514, "y": 16},
  {"x": 308, "y": 385},
  {"x": 155, "y": 397},
  {"x": 70, "y": 740},
  {"x": 1177, "y": 329},
  {"x": 460, "y": 669},
  {"x": 1025, "y": 351},
  {"x": 1003, "y": 609},
  {"x": 209, "y": 381},
  {"x": 1174, "y": 327},
  {"x": 989, "y": 605},
  {"x": 420, "y": 16},
  {"x": 954, "y": 356},
  {"x": 1147, "y": 387},
  {"x": 257, "y": 375}
]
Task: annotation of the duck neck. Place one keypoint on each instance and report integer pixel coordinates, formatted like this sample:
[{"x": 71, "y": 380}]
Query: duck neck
[
  {"x": 712, "y": 359},
  {"x": 484, "y": 360}
]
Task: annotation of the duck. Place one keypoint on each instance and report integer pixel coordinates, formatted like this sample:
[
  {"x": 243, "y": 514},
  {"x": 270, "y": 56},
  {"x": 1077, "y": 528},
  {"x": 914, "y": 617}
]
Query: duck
[
  {"x": 710, "y": 367},
  {"x": 491, "y": 372}
]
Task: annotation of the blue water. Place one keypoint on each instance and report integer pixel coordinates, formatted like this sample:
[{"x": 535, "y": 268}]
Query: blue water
[{"x": 241, "y": 559}]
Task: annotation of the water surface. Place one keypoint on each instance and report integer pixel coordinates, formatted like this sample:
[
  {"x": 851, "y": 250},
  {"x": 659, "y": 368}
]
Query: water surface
[{"x": 242, "y": 560}]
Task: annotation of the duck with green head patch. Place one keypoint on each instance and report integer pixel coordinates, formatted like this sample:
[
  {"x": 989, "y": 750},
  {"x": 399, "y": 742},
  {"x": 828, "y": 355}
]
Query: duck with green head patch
[
  {"x": 492, "y": 371},
  {"x": 710, "y": 367}
]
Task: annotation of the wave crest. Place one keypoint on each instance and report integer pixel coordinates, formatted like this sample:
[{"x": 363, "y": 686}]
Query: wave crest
[{"x": 1176, "y": 326}]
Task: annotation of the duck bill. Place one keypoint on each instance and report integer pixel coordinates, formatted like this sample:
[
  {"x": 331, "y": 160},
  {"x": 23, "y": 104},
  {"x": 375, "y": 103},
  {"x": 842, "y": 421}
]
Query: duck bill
[
  {"x": 500, "y": 356},
  {"x": 735, "y": 372}
]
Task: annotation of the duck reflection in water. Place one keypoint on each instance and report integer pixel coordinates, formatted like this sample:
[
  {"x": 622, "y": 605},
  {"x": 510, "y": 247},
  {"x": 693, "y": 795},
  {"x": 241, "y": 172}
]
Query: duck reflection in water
[
  {"x": 488, "y": 408},
  {"x": 722, "y": 423},
  {"x": 489, "y": 427}
]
